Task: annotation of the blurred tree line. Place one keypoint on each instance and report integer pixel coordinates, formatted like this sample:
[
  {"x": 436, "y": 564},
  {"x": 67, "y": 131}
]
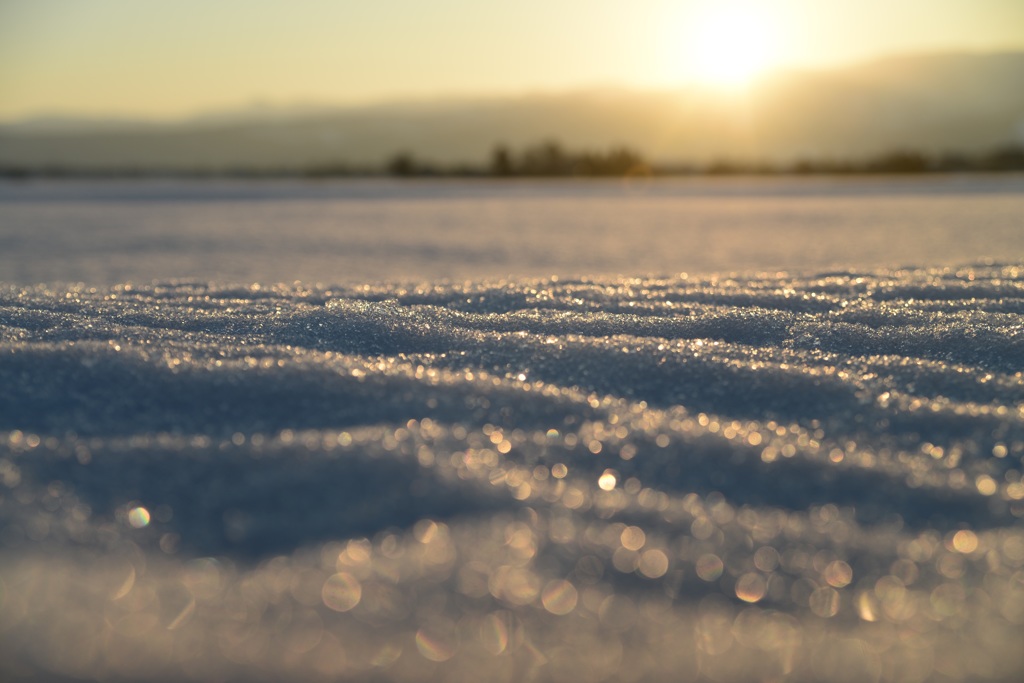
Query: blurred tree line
[
  {"x": 550, "y": 159},
  {"x": 546, "y": 159},
  {"x": 1002, "y": 159}
]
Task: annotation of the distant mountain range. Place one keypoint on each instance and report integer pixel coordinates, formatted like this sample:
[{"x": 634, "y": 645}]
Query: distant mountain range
[{"x": 930, "y": 103}]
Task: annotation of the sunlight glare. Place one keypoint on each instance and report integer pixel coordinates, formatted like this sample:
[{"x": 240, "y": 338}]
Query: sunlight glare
[{"x": 731, "y": 45}]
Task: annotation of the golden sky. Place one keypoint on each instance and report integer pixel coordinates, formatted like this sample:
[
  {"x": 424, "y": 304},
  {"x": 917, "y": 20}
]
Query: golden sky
[{"x": 167, "y": 59}]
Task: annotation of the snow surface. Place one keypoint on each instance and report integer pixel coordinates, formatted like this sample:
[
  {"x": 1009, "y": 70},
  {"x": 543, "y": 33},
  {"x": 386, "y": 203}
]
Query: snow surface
[
  {"x": 808, "y": 478},
  {"x": 378, "y": 230}
]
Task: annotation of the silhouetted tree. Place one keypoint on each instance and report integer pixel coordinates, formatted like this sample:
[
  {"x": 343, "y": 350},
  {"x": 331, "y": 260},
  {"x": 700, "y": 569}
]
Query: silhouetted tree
[
  {"x": 545, "y": 159},
  {"x": 1006, "y": 159},
  {"x": 903, "y": 161},
  {"x": 501, "y": 162},
  {"x": 402, "y": 164}
]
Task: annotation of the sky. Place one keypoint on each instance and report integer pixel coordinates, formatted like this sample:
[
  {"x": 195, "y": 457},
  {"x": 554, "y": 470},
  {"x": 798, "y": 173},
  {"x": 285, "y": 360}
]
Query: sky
[{"x": 160, "y": 60}]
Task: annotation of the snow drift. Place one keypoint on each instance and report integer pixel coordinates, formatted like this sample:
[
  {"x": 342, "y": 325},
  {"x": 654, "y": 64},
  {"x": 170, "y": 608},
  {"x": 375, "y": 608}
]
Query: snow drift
[{"x": 806, "y": 478}]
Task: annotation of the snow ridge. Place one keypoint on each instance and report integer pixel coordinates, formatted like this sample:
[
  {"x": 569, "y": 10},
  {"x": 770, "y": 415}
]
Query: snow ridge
[{"x": 792, "y": 477}]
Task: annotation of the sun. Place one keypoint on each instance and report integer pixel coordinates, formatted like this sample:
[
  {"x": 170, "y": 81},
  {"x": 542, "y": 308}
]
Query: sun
[{"x": 731, "y": 45}]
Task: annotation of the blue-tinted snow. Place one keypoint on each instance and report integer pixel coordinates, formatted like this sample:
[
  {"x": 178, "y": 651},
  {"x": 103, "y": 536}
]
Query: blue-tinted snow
[{"x": 811, "y": 477}]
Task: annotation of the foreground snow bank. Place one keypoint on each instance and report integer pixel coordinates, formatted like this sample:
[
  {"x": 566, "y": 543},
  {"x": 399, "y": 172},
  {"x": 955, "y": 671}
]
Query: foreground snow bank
[{"x": 725, "y": 479}]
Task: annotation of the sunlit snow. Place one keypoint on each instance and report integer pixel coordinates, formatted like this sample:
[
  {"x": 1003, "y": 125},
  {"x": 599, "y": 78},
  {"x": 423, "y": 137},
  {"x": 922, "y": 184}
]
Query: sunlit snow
[
  {"x": 724, "y": 478},
  {"x": 685, "y": 478}
]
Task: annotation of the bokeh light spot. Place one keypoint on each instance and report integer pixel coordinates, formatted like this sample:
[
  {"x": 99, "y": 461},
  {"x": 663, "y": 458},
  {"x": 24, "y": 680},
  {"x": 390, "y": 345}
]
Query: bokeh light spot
[
  {"x": 633, "y": 538},
  {"x": 653, "y": 563},
  {"x": 437, "y": 643},
  {"x": 838, "y": 574},
  {"x": 341, "y": 592},
  {"x": 751, "y": 587},
  {"x": 709, "y": 567},
  {"x": 138, "y": 517},
  {"x": 559, "y": 597},
  {"x": 965, "y": 541}
]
